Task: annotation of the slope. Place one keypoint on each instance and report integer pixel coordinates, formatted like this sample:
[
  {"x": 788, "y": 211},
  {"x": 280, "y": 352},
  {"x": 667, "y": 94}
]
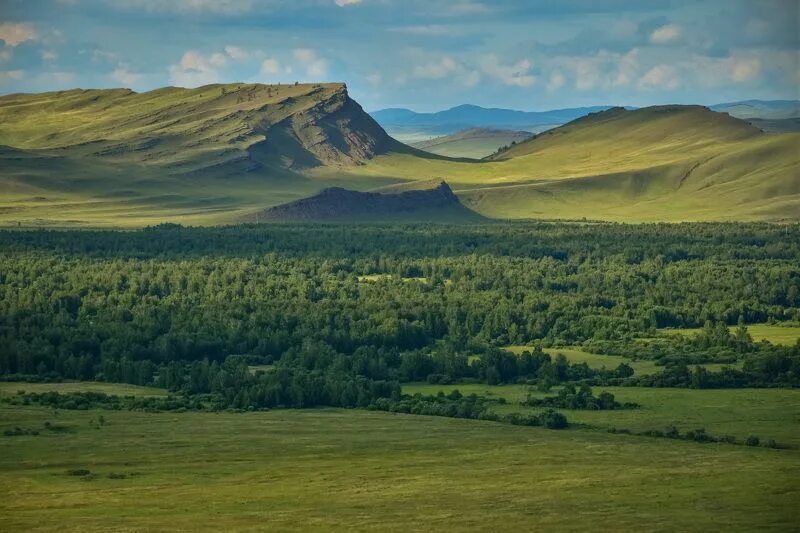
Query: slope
[
  {"x": 474, "y": 143},
  {"x": 118, "y": 157},
  {"x": 659, "y": 163},
  {"x": 428, "y": 202}
]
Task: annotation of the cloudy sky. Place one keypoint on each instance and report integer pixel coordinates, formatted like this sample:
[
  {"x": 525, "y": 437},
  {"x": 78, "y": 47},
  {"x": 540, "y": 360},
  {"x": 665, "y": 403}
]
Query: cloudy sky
[{"x": 421, "y": 54}]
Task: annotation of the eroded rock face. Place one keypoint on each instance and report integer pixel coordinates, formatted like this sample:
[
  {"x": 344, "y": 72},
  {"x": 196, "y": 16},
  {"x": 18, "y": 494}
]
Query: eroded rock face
[
  {"x": 334, "y": 131},
  {"x": 338, "y": 203}
]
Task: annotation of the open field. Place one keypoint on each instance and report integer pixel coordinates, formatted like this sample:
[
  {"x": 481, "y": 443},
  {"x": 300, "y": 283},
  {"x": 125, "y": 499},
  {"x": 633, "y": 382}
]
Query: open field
[
  {"x": 339, "y": 470},
  {"x": 768, "y": 413},
  {"x": 775, "y": 333},
  {"x": 9, "y": 388},
  {"x": 575, "y": 355}
]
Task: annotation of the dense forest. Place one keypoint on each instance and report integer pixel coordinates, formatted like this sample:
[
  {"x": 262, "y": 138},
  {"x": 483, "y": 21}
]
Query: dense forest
[{"x": 338, "y": 315}]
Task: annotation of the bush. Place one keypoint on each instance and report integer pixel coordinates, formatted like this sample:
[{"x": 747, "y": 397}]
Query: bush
[{"x": 752, "y": 440}]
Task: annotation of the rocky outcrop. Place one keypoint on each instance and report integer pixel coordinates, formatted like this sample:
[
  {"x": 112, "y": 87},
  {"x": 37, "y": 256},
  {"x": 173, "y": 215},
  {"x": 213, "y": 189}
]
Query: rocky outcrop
[{"x": 336, "y": 203}]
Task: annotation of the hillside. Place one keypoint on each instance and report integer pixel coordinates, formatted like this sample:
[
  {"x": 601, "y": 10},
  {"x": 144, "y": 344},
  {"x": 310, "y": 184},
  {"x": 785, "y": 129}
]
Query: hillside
[
  {"x": 116, "y": 156},
  {"x": 426, "y": 202},
  {"x": 215, "y": 129},
  {"x": 409, "y": 126},
  {"x": 475, "y": 143},
  {"x": 220, "y": 153},
  {"x": 659, "y": 163},
  {"x": 761, "y": 109}
]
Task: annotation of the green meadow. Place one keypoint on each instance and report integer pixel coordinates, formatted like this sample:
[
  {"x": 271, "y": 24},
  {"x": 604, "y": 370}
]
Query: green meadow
[
  {"x": 786, "y": 334},
  {"x": 332, "y": 469},
  {"x": 766, "y": 413},
  {"x": 609, "y": 362}
]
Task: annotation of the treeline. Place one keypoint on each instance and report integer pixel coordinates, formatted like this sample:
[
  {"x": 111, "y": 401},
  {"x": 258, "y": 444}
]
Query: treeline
[
  {"x": 142, "y": 307},
  {"x": 570, "y": 397}
]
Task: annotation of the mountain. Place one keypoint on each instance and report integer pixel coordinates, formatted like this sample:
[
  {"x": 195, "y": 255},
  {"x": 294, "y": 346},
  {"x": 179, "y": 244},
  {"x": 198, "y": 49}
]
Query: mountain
[
  {"x": 115, "y": 156},
  {"x": 761, "y": 109},
  {"x": 474, "y": 143},
  {"x": 663, "y": 163},
  {"x": 427, "y": 201},
  {"x": 214, "y": 129},
  {"x": 409, "y": 126},
  {"x": 222, "y": 153}
]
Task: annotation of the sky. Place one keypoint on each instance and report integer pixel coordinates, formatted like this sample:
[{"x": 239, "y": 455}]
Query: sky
[{"x": 425, "y": 55}]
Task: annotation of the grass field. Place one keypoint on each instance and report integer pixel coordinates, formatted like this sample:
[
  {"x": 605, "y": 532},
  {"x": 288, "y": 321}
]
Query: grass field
[
  {"x": 119, "y": 389},
  {"x": 768, "y": 413},
  {"x": 575, "y": 355},
  {"x": 775, "y": 333},
  {"x": 346, "y": 470}
]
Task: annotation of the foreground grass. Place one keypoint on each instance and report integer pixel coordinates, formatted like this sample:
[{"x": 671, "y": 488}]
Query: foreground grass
[{"x": 344, "y": 470}]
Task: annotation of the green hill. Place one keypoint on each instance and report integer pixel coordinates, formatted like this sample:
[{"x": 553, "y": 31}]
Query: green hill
[
  {"x": 116, "y": 157},
  {"x": 474, "y": 143},
  {"x": 221, "y": 153},
  {"x": 669, "y": 163}
]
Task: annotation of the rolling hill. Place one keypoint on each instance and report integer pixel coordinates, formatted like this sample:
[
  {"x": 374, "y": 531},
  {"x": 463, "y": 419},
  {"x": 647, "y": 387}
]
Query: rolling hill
[
  {"x": 221, "y": 153},
  {"x": 115, "y": 156},
  {"x": 475, "y": 143},
  {"x": 669, "y": 163}
]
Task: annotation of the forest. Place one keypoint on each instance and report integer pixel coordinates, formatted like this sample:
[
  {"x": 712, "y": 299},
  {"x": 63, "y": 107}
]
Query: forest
[{"x": 306, "y": 315}]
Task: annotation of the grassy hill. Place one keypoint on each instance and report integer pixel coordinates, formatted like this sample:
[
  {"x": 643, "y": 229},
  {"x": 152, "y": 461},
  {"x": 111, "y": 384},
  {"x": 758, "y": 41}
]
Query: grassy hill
[
  {"x": 116, "y": 157},
  {"x": 474, "y": 143},
  {"x": 669, "y": 163},
  {"x": 220, "y": 153}
]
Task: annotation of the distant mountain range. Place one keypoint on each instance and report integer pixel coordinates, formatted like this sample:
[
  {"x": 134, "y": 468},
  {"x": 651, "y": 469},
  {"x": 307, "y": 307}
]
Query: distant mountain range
[
  {"x": 412, "y": 127},
  {"x": 409, "y": 126}
]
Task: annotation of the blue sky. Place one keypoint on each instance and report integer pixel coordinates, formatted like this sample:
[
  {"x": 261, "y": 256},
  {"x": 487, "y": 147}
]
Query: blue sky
[{"x": 421, "y": 54}]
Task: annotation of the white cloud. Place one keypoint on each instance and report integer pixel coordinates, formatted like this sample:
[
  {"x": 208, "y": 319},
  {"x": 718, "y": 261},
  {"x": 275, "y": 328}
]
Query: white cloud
[
  {"x": 665, "y": 34},
  {"x": 556, "y": 81},
  {"x": 236, "y": 53},
  {"x": 49, "y": 55},
  {"x": 660, "y": 77},
  {"x": 745, "y": 69},
  {"x": 125, "y": 76},
  {"x": 342, "y": 3},
  {"x": 270, "y": 66},
  {"x": 14, "y": 34},
  {"x": 194, "y": 70},
  {"x": 5, "y": 55},
  {"x": 218, "y": 7},
  {"x": 627, "y": 67},
  {"x": 315, "y": 66},
  {"x": 374, "y": 79},
  {"x": 425, "y": 29},
  {"x": 436, "y": 69},
  {"x": 517, "y": 74},
  {"x": 10, "y": 75}
]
